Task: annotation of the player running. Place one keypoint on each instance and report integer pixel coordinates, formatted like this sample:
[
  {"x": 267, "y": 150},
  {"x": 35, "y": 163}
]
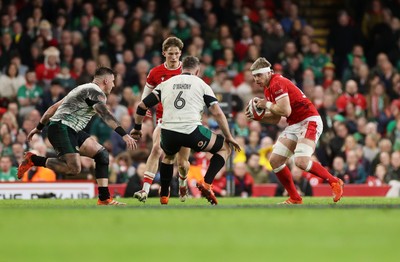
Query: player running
[
  {"x": 184, "y": 97},
  {"x": 283, "y": 98},
  {"x": 172, "y": 50},
  {"x": 67, "y": 119}
]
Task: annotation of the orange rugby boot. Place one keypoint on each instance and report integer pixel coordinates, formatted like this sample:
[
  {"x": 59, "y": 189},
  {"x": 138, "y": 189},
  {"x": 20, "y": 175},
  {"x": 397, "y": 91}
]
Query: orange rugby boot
[
  {"x": 164, "y": 200},
  {"x": 291, "y": 201},
  {"x": 206, "y": 191},
  {"x": 25, "y": 165},
  {"x": 337, "y": 190},
  {"x": 109, "y": 202}
]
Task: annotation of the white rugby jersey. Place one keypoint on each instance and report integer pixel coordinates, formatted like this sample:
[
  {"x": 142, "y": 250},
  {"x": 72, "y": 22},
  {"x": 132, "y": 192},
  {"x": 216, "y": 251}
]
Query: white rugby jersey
[
  {"x": 76, "y": 110},
  {"x": 183, "y": 98}
]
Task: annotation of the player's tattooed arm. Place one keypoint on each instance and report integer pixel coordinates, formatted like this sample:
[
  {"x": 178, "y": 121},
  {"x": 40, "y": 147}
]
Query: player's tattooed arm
[{"x": 102, "y": 110}]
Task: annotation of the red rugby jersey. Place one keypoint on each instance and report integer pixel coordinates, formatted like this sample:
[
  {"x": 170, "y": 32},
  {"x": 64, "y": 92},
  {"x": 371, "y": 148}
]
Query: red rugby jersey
[
  {"x": 302, "y": 107},
  {"x": 157, "y": 75}
]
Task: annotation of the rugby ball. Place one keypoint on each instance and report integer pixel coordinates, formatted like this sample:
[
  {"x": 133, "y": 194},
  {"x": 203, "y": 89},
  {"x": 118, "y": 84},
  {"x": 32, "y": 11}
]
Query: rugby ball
[{"x": 256, "y": 112}]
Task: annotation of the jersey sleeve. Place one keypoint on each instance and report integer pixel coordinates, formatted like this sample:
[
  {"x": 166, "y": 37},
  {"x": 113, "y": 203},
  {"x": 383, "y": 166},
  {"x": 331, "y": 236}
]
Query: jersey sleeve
[
  {"x": 151, "y": 79},
  {"x": 279, "y": 90},
  {"x": 209, "y": 96},
  {"x": 94, "y": 96}
]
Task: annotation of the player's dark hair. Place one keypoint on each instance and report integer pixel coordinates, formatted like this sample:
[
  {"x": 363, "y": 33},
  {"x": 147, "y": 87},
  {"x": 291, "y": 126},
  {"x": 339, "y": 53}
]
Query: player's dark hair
[
  {"x": 190, "y": 62},
  {"x": 102, "y": 71},
  {"x": 172, "y": 41}
]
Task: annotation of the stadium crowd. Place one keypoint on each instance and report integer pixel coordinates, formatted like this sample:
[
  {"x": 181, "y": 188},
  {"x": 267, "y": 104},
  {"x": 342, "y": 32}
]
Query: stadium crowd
[{"x": 50, "y": 47}]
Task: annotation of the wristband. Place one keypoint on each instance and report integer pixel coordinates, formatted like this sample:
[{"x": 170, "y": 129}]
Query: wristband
[
  {"x": 40, "y": 126},
  {"x": 140, "y": 111},
  {"x": 268, "y": 105},
  {"x": 137, "y": 127},
  {"x": 120, "y": 131}
]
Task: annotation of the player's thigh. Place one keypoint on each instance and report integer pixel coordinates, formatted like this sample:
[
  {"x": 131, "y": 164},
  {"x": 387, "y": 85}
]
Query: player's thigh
[
  {"x": 203, "y": 139},
  {"x": 63, "y": 139},
  {"x": 89, "y": 146},
  {"x": 171, "y": 141}
]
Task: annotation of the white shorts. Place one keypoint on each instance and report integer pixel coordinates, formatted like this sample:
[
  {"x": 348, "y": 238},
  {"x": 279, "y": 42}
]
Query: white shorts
[{"x": 310, "y": 128}]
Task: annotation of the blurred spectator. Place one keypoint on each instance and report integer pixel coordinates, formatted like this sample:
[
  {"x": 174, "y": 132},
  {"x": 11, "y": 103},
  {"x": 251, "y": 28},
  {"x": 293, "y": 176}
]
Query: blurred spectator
[
  {"x": 8, "y": 125},
  {"x": 370, "y": 149},
  {"x": 351, "y": 96},
  {"x": 393, "y": 176},
  {"x": 394, "y": 169},
  {"x": 315, "y": 60},
  {"x": 253, "y": 143},
  {"x": 243, "y": 180},
  {"x": 29, "y": 94},
  {"x": 241, "y": 126},
  {"x": 355, "y": 170},
  {"x": 342, "y": 29},
  {"x": 260, "y": 175},
  {"x": 339, "y": 169},
  {"x": 385, "y": 149},
  {"x": 372, "y": 17},
  {"x": 337, "y": 142},
  {"x": 122, "y": 168},
  {"x": 7, "y": 171},
  {"x": 10, "y": 82},
  {"x": 51, "y": 96},
  {"x": 50, "y": 68},
  {"x": 292, "y": 18},
  {"x": 378, "y": 179}
]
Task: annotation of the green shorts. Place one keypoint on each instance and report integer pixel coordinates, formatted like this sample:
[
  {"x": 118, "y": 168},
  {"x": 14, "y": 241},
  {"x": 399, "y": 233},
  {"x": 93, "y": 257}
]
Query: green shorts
[{"x": 64, "y": 139}]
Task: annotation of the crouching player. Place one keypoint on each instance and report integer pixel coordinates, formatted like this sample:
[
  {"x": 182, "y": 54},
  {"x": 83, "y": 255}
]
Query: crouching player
[{"x": 66, "y": 120}]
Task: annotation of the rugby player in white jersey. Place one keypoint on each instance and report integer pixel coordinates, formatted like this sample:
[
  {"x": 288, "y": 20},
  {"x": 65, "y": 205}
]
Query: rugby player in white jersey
[
  {"x": 66, "y": 120},
  {"x": 184, "y": 98}
]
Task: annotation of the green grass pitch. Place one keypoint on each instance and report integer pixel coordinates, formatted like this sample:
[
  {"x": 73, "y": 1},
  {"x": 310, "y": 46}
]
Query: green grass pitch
[{"x": 254, "y": 229}]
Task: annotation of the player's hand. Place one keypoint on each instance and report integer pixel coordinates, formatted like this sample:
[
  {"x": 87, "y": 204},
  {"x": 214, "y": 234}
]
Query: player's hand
[
  {"x": 232, "y": 142},
  {"x": 247, "y": 112},
  {"x": 130, "y": 142},
  {"x": 136, "y": 134},
  {"x": 32, "y": 133},
  {"x": 261, "y": 104}
]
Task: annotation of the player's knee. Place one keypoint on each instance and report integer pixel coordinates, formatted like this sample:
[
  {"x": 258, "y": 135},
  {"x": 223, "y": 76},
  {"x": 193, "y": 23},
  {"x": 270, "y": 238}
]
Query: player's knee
[
  {"x": 102, "y": 157},
  {"x": 276, "y": 162},
  {"x": 302, "y": 162}
]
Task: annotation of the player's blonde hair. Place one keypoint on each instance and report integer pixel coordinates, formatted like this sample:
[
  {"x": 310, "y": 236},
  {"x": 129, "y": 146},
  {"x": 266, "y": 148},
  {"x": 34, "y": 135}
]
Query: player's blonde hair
[
  {"x": 172, "y": 41},
  {"x": 260, "y": 63}
]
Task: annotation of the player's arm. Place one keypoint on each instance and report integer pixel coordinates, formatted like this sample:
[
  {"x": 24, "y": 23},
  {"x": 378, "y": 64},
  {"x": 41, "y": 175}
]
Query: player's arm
[
  {"x": 44, "y": 120},
  {"x": 148, "y": 102},
  {"x": 219, "y": 116},
  {"x": 281, "y": 107},
  {"x": 105, "y": 114},
  {"x": 270, "y": 118}
]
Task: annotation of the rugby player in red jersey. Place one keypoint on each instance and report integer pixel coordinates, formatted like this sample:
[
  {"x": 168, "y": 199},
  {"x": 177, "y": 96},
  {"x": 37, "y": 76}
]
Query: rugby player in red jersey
[
  {"x": 172, "y": 51},
  {"x": 299, "y": 138}
]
